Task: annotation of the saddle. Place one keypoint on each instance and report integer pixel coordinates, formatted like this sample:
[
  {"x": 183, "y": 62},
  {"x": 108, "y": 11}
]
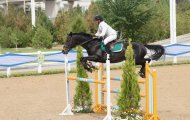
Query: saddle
[{"x": 114, "y": 46}]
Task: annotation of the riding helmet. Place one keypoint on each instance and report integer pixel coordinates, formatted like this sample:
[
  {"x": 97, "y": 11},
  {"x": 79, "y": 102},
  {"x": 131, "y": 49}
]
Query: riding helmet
[{"x": 98, "y": 17}]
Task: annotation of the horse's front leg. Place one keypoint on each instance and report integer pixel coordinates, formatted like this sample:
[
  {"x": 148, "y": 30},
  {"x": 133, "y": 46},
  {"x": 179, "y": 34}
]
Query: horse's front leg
[
  {"x": 87, "y": 64},
  {"x": 142, "y": 71}
]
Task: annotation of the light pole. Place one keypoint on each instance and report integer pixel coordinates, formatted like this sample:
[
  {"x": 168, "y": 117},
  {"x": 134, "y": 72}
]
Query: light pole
[
  {"x": 33, "y": 13},
  {"x": 173, "y": 21},
  {"x": 24, "y": 6},
  {"x": 7, "y": 10},
  {"x": 173, "y": 39}
]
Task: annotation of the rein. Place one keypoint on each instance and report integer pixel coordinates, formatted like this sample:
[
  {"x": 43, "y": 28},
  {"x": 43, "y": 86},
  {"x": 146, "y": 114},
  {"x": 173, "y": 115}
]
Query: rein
[{"x": 86, "y": 41}]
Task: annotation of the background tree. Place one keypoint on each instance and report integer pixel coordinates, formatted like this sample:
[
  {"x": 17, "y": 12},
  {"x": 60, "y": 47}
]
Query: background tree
[
  {"x": 183, "y": 17},
  {"x": 126, "y": 16},
  {"x": 44, "y": 21},
  {"x": 129, "y": 97},
  {"x": 62, "y": 26},
  {"x": 5, "y": 37},
  {"x": 42, "y": 38},
  {"x": 64, "y": 22},
  {"x": 10, "y": 18},
  {"x": 14, "y": 39},
  {"x": 22, "y": 21},
  {"x": 16, "y": 23},
  {"x": 89, "y": 15},
  {"x": 2, "y": 19},
  {"x": 158, "y": 27},
  {"x": 79, "y": 25}
]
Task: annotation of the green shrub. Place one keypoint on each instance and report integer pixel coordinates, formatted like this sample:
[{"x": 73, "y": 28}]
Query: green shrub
[
  {"x": 82, "y": 98},
  {"x": 83, "y": 95},
  {"x": 129, "y": 97},
  {"x": 5, "y": 39},
  {"x": 43, "y": 20},
  {"x": 24, "y": 38},
  {"x": 42, "y": 38}
]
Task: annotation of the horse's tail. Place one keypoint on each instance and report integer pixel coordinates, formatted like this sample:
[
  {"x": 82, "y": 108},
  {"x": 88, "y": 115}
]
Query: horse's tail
[{"x": 159, "y": 51}]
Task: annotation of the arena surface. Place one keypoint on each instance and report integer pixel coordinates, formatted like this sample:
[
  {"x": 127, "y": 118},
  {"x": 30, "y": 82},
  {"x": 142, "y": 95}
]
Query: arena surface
[{"x": 43, "y": 97}]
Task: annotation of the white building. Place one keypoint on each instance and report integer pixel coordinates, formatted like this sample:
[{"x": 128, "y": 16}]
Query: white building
[{"x": 50, "y": 6}]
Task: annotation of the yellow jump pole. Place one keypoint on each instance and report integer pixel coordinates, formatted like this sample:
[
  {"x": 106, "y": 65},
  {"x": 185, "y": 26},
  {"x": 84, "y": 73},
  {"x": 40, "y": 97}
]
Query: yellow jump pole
[
  {"x": 147, "y": 89},
  {"x": 154, "y": 93},
  {"x": 102, "y": 85}
]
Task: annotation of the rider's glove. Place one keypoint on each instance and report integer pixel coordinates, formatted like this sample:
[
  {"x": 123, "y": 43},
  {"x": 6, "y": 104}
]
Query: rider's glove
[{"x": 100, "y": 37}]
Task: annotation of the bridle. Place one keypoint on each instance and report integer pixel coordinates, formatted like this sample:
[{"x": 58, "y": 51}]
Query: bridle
[
  {"x": 81, "y": 43},
  {"x": 85, "y": 41}
]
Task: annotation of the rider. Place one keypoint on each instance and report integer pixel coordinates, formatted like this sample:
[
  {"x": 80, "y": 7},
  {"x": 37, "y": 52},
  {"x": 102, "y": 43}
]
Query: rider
[{"x": 105, "y": 31}]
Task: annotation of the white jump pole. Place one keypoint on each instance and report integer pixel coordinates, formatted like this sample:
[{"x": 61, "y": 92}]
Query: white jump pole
[
  {"x": 108, "y": 116},
  {"x": 67, "y": 110}
]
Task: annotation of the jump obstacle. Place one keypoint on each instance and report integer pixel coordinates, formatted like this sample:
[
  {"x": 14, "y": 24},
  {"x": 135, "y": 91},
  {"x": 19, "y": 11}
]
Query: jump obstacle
[
  {"x": 99, "y": 106},
  {"x": 150, "y": 93}
]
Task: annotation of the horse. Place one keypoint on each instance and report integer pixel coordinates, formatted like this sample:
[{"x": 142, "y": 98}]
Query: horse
[{"x": 96, "y": 54}]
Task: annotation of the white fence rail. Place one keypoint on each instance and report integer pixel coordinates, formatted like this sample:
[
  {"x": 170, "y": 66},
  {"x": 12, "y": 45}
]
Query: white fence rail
[
  {"x": 35, "y": 61},
  {"x": 39, "y": 61}
]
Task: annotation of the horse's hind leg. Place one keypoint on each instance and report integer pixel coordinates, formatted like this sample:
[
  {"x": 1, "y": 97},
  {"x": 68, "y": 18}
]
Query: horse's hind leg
[{"x": 142, "y": 62}]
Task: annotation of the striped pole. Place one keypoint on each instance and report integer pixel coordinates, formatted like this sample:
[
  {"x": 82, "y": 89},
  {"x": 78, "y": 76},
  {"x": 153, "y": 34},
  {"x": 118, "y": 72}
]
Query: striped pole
[
  {"x": 117, "y": 91},
  {"x": 120, "y": 79},
  {"x": 89, "y": 80}
]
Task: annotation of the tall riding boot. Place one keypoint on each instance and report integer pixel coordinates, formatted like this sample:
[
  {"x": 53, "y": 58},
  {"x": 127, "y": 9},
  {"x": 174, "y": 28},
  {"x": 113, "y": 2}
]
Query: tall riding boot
[{"x": 107, "y": 49}]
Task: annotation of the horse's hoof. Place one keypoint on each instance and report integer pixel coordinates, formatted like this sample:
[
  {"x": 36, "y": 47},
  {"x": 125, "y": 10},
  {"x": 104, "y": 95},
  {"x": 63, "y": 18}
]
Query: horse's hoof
[
  {"x": 142, "y": 75},
  {"x": 88, "y": 69}
]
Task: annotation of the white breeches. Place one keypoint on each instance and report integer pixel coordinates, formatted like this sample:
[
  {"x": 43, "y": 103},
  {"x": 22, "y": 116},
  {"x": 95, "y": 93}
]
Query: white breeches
[{"x": 109, "y": 39}]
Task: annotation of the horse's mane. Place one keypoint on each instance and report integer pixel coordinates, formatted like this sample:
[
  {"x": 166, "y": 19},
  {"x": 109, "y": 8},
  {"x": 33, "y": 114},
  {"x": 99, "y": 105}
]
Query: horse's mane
[
  {"x": 83, "y": 34},
  {"x": 97, "y": 40}
]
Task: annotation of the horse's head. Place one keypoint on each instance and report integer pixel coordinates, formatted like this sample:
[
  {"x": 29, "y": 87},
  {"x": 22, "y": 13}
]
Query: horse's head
[
  {"x": 69, "y": 43},
  {"x": 74, "y": 39}
]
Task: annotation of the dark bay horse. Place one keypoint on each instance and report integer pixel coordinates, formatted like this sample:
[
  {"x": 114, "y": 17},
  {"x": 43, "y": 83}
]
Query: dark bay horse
[{"x": 95, "y": 53}]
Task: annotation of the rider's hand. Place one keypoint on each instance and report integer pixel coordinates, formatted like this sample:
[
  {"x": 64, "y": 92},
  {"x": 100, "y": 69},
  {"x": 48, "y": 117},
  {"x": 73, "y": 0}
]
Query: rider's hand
[{"x": 100, "y": 37}]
